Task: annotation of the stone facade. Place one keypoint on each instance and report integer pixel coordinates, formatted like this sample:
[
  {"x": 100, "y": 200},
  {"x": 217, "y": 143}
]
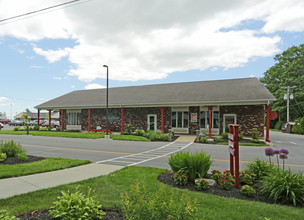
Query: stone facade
[{"x": 248, "y": 117}]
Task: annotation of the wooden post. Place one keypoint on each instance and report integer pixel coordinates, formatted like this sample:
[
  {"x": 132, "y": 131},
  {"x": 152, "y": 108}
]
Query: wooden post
[
  {"x": 231, "y": 156},
  {"x": 61, "y": 121},
  {"x": 267, "y": 124},
  {"x": 237, "y": 158},
  {"x": 89, "y": 119},
  {"x": 162, "y": 119},
  {"x": 122, "y": 120},
  {"x": 210, "y": 120},
  {"x": 38, "y": 122},
  {"x": 50, "y": 118}
]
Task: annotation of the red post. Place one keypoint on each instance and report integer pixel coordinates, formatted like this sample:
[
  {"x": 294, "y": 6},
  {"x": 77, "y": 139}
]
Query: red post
[
  {"x": 162, "y": 119},
  {"x": 50, "y": 118},
  {"x": 61, "y": 122},
  {"x": 210, "y": 120},
  {"x": 267, "y": 123},
  {"x": 122, "y": 120},
  {"x": 89, "y": 119},
  {"x": 236, "y": 155},
  {"x": 38, "y": 121}
]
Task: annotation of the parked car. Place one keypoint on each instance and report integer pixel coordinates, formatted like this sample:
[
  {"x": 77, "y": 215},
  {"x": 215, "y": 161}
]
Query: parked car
[
  {"x": 15, "y": 123},
  {"x": 55, "y": 124},
  {"x": 5, "y": 121},
  {"x": 1, "y": 125}
]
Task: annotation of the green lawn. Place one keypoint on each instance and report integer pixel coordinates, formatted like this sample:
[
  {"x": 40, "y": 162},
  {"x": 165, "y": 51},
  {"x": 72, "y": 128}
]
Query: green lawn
[
  {"x": 128, "y": 137},
  {"x": 108, "y": 188},
  {"x": 55, "y": 134},
  {"x": 48, "y": 164}
]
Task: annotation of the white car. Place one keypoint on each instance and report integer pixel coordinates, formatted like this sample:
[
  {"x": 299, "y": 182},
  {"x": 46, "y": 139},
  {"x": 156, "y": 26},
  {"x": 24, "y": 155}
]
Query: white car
[{"x": 1, "y": 125}]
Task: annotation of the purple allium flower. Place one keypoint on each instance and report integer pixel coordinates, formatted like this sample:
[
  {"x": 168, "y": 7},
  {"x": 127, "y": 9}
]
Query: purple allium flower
[
  {"x": 276, "y": 151},
  {"x": 283, "y": 156},
  {"x": 284, "y": 151},
  {"x": 268, "y": 151}
]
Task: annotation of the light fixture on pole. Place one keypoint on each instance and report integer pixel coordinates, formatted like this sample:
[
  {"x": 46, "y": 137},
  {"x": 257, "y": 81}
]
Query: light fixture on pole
[{"x": 107, "y": 98}]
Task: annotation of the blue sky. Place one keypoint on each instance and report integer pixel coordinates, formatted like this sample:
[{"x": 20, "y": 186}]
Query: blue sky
[{"x": 50, "y": 54}]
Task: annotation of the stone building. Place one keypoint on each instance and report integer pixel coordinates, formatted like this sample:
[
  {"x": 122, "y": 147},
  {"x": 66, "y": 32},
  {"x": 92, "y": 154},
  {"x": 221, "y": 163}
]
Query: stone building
[{"x": 208, "y": 106}]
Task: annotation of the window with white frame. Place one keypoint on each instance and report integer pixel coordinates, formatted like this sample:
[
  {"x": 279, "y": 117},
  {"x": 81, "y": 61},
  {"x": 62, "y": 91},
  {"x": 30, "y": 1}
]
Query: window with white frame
[
  {"x": 180, "y": 119},
  {"x": 74, "y": 118},
  {"x": 204, "y": 119}
]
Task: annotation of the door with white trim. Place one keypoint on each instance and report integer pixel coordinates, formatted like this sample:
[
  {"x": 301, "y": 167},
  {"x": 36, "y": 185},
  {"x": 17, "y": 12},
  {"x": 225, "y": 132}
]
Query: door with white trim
[
  {"x": 152, "y": 122},
  {"x": 228, "y": 119}
]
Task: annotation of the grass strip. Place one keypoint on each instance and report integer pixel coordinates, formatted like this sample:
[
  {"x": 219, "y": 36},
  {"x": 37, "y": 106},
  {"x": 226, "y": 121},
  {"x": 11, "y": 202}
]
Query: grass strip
[
  {"x": 128, "y": 137},
  {"x": 55, "y": 134},
  {"x": 48, "y": 164},
  {"x": 108, "y": 188}
]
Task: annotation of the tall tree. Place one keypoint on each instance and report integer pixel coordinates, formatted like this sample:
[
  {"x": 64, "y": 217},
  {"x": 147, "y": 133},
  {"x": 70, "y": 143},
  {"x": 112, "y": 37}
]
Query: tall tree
[
  {"x": 27, "y": 110},
  {"x": 287, "y": 71}
]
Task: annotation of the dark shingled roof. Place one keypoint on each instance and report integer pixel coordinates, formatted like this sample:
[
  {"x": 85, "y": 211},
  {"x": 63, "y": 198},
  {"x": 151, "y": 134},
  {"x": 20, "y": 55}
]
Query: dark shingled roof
[{"x": 218, "y": 92}]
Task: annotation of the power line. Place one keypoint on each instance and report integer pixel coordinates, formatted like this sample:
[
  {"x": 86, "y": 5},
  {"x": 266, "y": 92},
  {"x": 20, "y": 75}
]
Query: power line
[{"x": 37, "y": 11}]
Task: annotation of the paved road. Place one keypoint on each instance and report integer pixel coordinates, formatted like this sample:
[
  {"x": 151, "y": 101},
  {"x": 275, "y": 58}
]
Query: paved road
[{"x": 98, "y": 150}]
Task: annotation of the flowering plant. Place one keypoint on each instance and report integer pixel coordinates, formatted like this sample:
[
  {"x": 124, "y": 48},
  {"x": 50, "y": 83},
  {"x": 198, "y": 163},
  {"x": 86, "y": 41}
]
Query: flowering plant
[
  {"x": 216, "y": 175},
  {"x": 181, "y": 177},
  {"x": 225, "y": 182},
  {"x": 202, "y": 184},
  {"x": 246, "y": 177},
  {"x": 98, "y": 131},
  {"x": 248, "y": 191}
]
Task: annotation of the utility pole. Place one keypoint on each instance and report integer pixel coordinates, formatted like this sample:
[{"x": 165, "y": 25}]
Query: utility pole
[{"x": 287, "y": 97}]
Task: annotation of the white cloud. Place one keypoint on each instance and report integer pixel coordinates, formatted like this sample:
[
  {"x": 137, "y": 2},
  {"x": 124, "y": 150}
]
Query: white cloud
[
  {"x": 144, "y": 41},
  {"x": 252, "y": 75},
  {"x": 36, "y": 67},
  {"x": 52, "y": 55},
  {"x": 57, "y": 78},
  {"x": 94, "y": 86},
  {"x": 3, "y": 99}
]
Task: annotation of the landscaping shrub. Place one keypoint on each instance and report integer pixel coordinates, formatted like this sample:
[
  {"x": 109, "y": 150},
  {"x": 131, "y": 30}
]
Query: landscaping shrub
[
  {"x": 2, "y": 156},
  {"x": 43, "y": 129},
  {"x": 255, "y": 134},
  {"x": 246, "y": 178},
  {"x": 11, "y": 149},
  {"x": 241, "y": 136},
  {"x": 216, "y": 175},
  {"x": 218, "y": 139},
  {"x": 128, "y": 129},
  {"x": 298, "y": 128},
  {"x": 140, "y": 203},
  {"x": 5, "y": 215},
  {"x": 202, "y": 184},
  {"x": 158, "y": 132},
  {"x": 259, "y": 169},
  {"x": 181, "y": 177},
  {"x": 50, "y": 128},
  {"x": 278, "y": 125},
  {"x": 57, "y": 128},
  {"x": 36, "y": 128},
  {"x": 224, "y": 135},
  {"x": 151, "y": 135},
  {"x": 204, "y": 140},
  {"x": 164, "y": 137},
  {"x": 226, "y": 180},
  {"x": 196, "y": 165},
  {"x": 284, "y": 186},
  {"x": 17, "y": 128},
  {"x": 76, "y": 206},
  {"x": 22, "y": 156},
  {"x": 139, "y": 132},
  {"x": 248, "y": 191}
]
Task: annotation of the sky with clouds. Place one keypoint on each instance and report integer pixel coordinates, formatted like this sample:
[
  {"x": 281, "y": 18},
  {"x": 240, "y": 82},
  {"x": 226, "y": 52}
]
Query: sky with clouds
[{"x": 48, "y": 54}]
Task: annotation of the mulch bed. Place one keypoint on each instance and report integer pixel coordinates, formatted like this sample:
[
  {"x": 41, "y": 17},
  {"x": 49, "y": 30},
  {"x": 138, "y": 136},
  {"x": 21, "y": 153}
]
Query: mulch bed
[
  {"x": 44, "y": 215},
  {"x": 167, "y": 178},
  {"x": 15, "y": 160}
]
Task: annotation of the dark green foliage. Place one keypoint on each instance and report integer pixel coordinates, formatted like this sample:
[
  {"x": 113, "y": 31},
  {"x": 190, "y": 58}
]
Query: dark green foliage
[
  {"x": 139, "y": 132},
  {"x": 11, "y": 149},
  {"x": 259, "y": 169},
  {"x": 278, "y": 125},
  {"x": 36, "y": 128},
  {"x": 248, "y": 191},
  {"x": 255, "y": 133},
  {"x": 181, "y": 177},
  {"x": 4, "y": 215},
  {"x": 287, "y": 71},
  {"x": 284, "y": 186},
  {"x": 128, "y": 129},
  {"x": 163, "y": 137},
  {"x": 76, "y": 206},
  {"x": 298, "y": 128},
  {"x": 140, "y": 203},
  {"x": 196, "y": 165},
  {"x": 224, "y": 135},
  {"x": 151, "y": 135},
  {"x": 17, "y": 128},
  {"x": 204, "y": 140},
  {"x": 202, "y": 184}
]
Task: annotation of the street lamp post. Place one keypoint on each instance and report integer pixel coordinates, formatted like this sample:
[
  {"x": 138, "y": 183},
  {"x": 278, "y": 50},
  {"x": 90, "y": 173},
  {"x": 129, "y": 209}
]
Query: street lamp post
[{"x": 107, "y": 98}]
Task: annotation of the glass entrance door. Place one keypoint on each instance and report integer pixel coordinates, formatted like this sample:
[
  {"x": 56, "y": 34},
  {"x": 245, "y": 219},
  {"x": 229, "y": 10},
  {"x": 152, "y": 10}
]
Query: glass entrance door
[
  {"x": 228, "y": 119},
  {"x": 152, "y": 122}
]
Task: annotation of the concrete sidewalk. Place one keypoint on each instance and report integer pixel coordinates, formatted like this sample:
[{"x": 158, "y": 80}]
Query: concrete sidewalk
[{"x": 24, "y": 184}]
